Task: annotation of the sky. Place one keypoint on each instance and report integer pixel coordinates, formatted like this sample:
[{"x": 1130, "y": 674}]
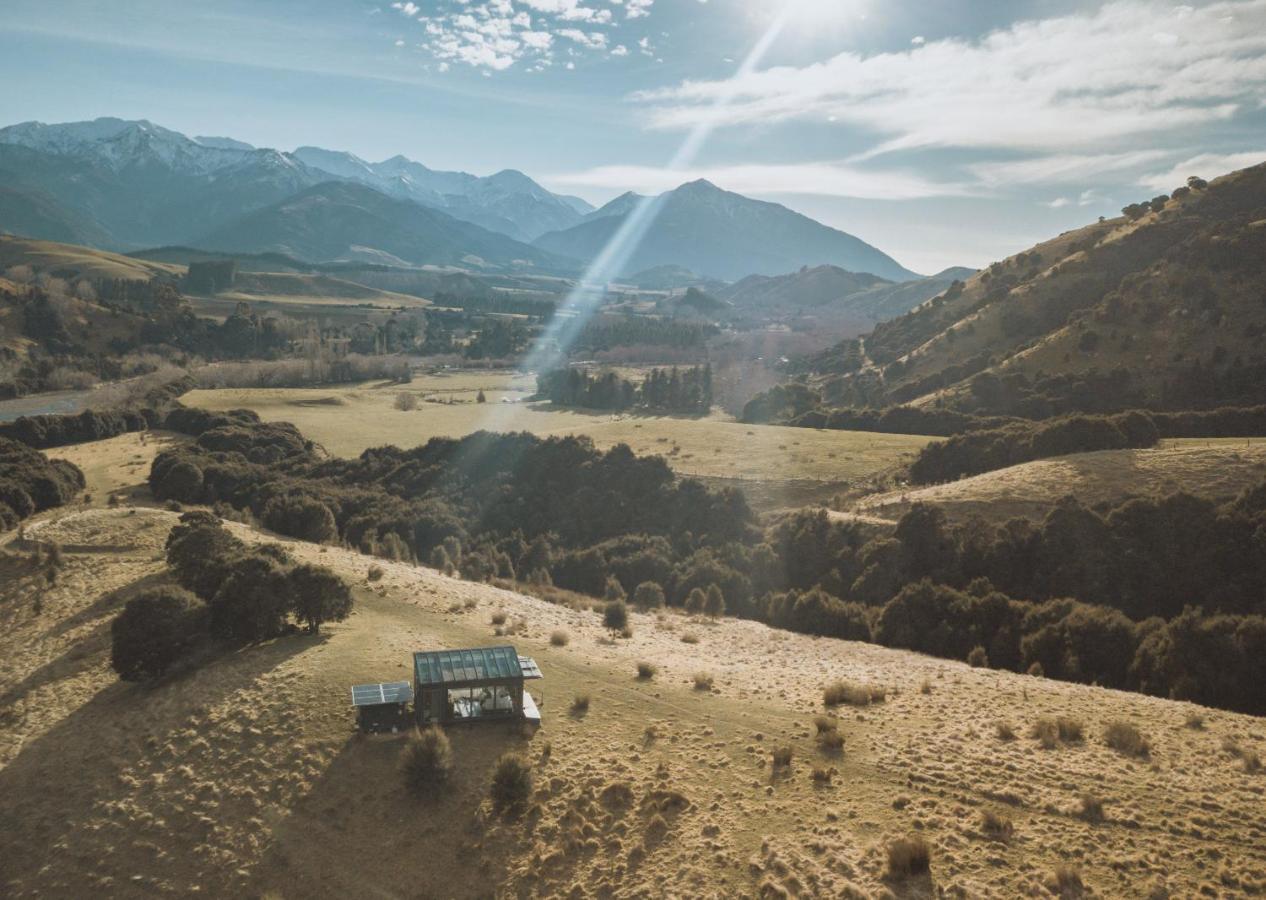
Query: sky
[{"x": 952, "y": 132}]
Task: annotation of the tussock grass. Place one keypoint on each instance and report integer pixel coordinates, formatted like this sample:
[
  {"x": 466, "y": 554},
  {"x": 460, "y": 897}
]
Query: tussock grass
[
  {"x": 781, "y": 756},
  {"x": 839, "y": 693},
  {"x": 427, "y": 762},
  {"x": 1004, "y": 731},
  {"x": 580, "y": 704},
  {"x": 1050, "y": 733},
  {"x": 1091, "y": 809},
  {"x": 703, "y": 681},
  {"x": 1125, "y": 738},
  {"x": 689, "y": 637},
  {"x": 375, "y": 573},
  {"x": 908, "y": 856},
  {"x": 995, "y": 825},
  {"x": 1065, "y": 882},
  {"x": 511, "y": 783},
  {"x": 646, "y": 671},
  {"x": 499, "y": 617},
  {"x": 559, "y": 638}
]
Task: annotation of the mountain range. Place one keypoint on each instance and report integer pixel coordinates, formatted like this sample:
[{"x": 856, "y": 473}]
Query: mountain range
[
  {"x": 721, "y": 234},
  {"x": 126, "y": 185}
]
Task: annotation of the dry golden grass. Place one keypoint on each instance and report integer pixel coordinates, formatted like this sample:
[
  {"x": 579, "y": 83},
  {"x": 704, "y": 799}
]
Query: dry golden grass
[
  {"x": 243, "y": 778},
  {"x": 347, "y": 420},
  {"x": 1219, "y": 468}
]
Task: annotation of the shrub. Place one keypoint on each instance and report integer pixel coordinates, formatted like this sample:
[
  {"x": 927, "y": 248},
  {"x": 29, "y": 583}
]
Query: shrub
[
  {"x": 646, "y": 671},
  {"x": 615, "y": 615},
  {"x": 689, "y": 637},
  {"x": 844, "y": 692},
  {"x": 823, "y": 724},
  {"x": 155, "y": 629},
  {"x": 427, "y": 762},
  {"x": 1125, "y": 738},
  {"x": 1091, "y": 809},
  {"x": 995, "y": 826},
  {"x": 703, "y": 681},
  {"x": 182, "y": 482},
  {"x": 1060, "y": 730},
  {"x": 831, "y": 741},
  {"x": 714, "y": 602},
  {"x": 1065, "y": 882},
  {"x": 1004, "y": 731},
  {"x": 406, "y": 402},
  {"x": 499, "y": 617},
  {"x": 908, "y": 856},
  {"x": 580, "y": 704},
  {"x": 375, "y": 573},
  {"x": 648, "y": 595},
  {"x": 781, "y": 757},
  {"x": 300, "y": 517},
  {"x": 978, "y": 659},
  {"x": 511, "y": 783},
  {"x": 1194, "y": 721},
  {"x": 558, "y": 638}
]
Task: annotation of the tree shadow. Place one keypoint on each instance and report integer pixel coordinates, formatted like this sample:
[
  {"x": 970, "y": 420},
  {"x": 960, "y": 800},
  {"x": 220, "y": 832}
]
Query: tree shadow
[
  {"x": 359, "y": 832},
  {"x": 73, "y": 817}
]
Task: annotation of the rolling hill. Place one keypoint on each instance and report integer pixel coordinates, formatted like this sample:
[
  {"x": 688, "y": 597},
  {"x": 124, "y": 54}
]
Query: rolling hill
[
  {"x": 1161, "y": 309},
  {"x": 720, "y": 234},
  {"x": 244, "y": 777}
]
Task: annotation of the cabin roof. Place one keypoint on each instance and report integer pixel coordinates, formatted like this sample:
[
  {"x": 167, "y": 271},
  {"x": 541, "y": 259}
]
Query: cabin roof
[{"x": 464, "y": 666}]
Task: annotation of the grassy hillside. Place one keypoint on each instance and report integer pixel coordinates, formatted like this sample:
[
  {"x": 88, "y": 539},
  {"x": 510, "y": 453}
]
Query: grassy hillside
[
  {"x": 1161, "y": 310},
  {"x": 1217, "y": 469},
  {"x": 73, "y": 262},
  {"x": 244, "y": 777}
]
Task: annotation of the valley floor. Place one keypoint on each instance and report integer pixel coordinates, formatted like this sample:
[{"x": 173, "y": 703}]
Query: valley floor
[{"x": 245, "y": 778}]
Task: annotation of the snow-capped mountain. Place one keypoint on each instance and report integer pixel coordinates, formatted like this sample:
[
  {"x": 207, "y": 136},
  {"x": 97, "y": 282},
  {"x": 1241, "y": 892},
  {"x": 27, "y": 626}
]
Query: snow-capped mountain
[
  {"x": 150, "y": 185},
  {"x": 509, "y": 201}
]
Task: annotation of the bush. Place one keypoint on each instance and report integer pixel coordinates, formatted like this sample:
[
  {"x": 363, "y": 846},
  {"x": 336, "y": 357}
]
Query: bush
[
  {"x": 780, "y": 758},
  {"x": 427, "y": 762},
  {"x": 703, "y": 681},
  {"x": 300, "y": 517},
  {"x": 978, "y": 659},
  {"x": 182, "y": 482},
  {"x": 1053, "y": 732},
  {"x": 995, "y": 826},
  {"x": 615, "y": 615},
  {"x": 155, "y": 629},
  {"x": 511, "y": 783},
  {"x": 831, "y": 741},
  {"x": 580, "y": 704},
  {"x": 406, "y": 402},
  {"x": 375, "y": 573},
  {"x": 1125, "y": 738},
  {"x": 844, "y": 692},
  {"x": 907, "y": 857},
  {"x": 648, "y": 595},
  {"x": 646, "y": 671},
  {"x": 1091, "y": 809},
  {"x": 559, "y": 638},
  {"x": 614, "y": 591}
]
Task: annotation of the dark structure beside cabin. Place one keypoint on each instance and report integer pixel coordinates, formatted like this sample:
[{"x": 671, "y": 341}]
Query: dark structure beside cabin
[
  {"x": 480, "y": 684},
  {"x": 382, "y": 707}
]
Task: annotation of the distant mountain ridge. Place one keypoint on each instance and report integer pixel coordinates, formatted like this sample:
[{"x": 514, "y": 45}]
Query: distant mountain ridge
[
  {"x": 720, "y": 234},
  {"x": 148, "y": 185},
  {"x": 128, "y": 185}
]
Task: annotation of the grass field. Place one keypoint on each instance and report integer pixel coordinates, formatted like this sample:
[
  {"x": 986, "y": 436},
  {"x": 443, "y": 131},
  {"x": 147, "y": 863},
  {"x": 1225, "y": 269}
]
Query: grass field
[
  {"x": 73, "y": 261},
  {"x": 244, "y": 777},
  {"x": 1218, "y": 468},
  {"x": 346, "y": 420}
]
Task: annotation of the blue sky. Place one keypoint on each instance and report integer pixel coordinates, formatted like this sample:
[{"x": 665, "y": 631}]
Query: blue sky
[{"x": 946, "y": 132}]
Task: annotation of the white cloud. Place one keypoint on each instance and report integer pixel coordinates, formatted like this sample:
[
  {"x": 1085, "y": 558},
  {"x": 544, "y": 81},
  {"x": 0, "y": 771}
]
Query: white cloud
[
  {"x": 822, "y": 179},
  {"x": 1079, "y": 81},
  {"x": 1063, "y": 168},
  {"x": 638, "y": 9},
  {"x": 1206, "y": 165}
]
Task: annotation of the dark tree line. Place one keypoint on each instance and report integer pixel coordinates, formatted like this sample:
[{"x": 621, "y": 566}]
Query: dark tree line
[
  {"x": 669, "y": 390},
  {"x": 30, "y": 482},
  {"x": 643, "y": 331},
  {"x": 1125, "y": 597}
]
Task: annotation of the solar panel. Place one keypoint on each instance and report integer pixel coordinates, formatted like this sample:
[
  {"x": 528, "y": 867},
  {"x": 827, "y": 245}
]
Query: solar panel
[
  {"x": 386, "y": 692},
  {"x": 529, "y": 667}
]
